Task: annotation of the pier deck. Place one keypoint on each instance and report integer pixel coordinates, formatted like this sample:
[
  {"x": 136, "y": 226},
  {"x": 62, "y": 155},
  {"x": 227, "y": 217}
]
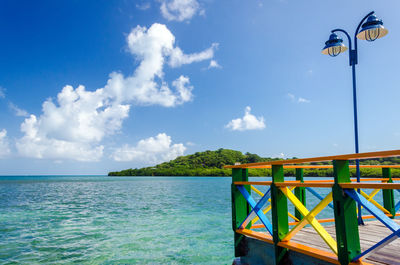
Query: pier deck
[
  {"x": 370, "y": 234},
  {"x": 308, "y": 239}
]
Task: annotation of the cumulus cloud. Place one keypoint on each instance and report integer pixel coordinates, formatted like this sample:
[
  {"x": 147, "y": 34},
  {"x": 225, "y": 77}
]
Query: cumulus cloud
[
  {"x": 248, "y": 122},
  {"x": 214, "y": 64},
  {"x": 178, "y": 58},
  {"x": 180, "y": 10},
  {"x": 18, "y": 111},
  {"x": 154, "y": 47},
  {"x": 4, "y": 144},
  {"x": 152, "y": 150},
  {"x": 298, "y": 99},
  {"x": 74, "y": 125}
]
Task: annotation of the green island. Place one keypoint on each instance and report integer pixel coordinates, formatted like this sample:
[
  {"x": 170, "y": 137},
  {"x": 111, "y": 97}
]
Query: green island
[{"x": 211, "y": 163}]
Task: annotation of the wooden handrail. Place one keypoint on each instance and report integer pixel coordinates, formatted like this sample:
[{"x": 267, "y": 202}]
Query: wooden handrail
[
  {"x": 384, "y": 186},
  {"x": 380, "y": 154},
  {"x": 320, "y": 166}
]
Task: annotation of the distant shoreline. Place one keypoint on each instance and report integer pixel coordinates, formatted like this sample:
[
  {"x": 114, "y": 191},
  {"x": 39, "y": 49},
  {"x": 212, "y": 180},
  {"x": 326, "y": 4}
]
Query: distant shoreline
[{"x": 210, "y": 164}]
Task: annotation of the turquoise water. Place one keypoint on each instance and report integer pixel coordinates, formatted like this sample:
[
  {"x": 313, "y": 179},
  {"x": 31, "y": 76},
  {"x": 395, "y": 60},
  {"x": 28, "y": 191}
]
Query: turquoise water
[
  {"x": 120, "y": 220},
  {"x": 112, "y": 220}
]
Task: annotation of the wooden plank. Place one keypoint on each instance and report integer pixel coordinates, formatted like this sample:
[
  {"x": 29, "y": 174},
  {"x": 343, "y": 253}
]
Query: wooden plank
[
  {"x": 249, "y": 165},
  {"x": 380, "y": 154},
  {"x": 307, "y": 240},
  {"x": 258, "y": 235},
  {"x": 306, "y": 184},
  {"x": 309, "y": 251},
  {"x": 265, "y": 183},
  {"x": 370, "y": 185}
]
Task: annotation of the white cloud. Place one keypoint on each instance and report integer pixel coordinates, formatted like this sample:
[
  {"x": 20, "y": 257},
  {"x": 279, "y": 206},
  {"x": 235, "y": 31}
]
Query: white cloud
[
  {"x": 180, "y": 10},
  {"x": 152, "y": 150},
  {"x": 303, "y": 100},
  {"x": 74, "y": 125},
  {"x": 155, "y": 46},
  {"x": 178, "y": 58},
  {"x": 18, "y": 112},
  {"x": 183, "y": 88},
  {"x": 248, "y": 122},
  {"x": 4, "y": 145},
  {"x": 2, "y": 92},
  {"x": 214, "y": 64},
  {"x": 298, "y": 99},
  {"x": 143, "y": 5}
]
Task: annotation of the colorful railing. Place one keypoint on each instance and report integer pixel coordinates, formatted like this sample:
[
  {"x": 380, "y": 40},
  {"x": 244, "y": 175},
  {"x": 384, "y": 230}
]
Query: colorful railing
[{"x": 249, "y": 215}]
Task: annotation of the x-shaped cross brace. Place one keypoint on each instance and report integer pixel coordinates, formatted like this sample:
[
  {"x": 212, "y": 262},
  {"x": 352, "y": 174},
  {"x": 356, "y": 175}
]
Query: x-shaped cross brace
[
  {"x": 389, "y": 223},
  {"x": 256, "y": 209}
]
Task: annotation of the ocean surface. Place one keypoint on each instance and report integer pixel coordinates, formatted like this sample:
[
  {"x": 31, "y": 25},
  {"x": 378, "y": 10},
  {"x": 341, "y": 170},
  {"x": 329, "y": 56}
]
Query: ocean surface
[
  {"x": 115, "y": 220},
  {"x": 119, "y": 220}
]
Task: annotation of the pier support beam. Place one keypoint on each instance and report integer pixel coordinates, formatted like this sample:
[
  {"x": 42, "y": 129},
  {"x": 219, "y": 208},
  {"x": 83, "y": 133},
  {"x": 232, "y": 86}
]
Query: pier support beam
[
  {"x": 300, "y": 193},
  {"x": 280, "y": 218},
  {"x": 388, "y": 195},
  {"x": 240, "y": 209},
  {"x": 347, "y": 236}
]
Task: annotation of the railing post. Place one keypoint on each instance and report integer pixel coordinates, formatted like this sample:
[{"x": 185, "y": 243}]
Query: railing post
[
  {"x": 388, "y": 195},
  {"x": 280, "y": 218},
  {"x": 347, "y": 237},
  {"x": 240, "y": 209},
  {"x": 300, "y": 193}
]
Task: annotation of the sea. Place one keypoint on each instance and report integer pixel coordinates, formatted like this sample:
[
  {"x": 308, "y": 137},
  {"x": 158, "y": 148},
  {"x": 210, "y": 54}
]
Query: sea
[
  {"x": 115, "y": 220},
  {"x": 118, "y": 220}
]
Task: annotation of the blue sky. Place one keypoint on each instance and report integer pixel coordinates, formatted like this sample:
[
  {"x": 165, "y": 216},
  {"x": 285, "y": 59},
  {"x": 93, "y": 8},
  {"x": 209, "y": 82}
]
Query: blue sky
[{"x": 89, "y": 87}]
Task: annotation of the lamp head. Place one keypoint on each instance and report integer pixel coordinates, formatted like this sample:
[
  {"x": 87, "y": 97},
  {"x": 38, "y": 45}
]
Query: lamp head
[
  {"x": 334, "y": 46},
  {"x": 372, "y": 29}
]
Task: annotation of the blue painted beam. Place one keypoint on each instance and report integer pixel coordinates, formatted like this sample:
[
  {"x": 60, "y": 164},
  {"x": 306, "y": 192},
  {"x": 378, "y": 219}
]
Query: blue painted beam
[
  {"x": 387, "y": 240},
  {"x": 316, "y": 194},
  {"x": 397, "y": 207},
  {"x": 256, "y": 208},
  {"x": 389, "y": 223}
]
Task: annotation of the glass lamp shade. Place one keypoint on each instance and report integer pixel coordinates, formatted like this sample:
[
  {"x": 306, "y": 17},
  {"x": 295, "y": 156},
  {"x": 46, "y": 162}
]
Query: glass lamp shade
[
  {"x": 372, "y": 29},
  {"x": 334, "y": 46}
]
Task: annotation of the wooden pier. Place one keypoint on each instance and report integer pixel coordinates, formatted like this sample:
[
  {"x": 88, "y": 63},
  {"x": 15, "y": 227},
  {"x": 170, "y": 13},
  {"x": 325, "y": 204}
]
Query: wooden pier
[
  {"x": 370, "y": 234},
  {"x": 306, "y": 239}
]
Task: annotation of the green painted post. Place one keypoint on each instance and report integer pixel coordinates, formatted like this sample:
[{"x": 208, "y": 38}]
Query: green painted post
[
  {"x": 240, "y": 209},
  {"x": 300, "y": 193},
  {"x": 388, "y": 195},
  {"x": 280, "y": 219},
  {"x": 346, "y": 223}
]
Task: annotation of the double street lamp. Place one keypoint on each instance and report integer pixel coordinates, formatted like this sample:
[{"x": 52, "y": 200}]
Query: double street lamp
[{"x": 371, "y": 30}]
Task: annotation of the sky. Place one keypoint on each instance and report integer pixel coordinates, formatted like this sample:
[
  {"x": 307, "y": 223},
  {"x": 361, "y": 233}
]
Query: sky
[{"x": 88, "y": 87}]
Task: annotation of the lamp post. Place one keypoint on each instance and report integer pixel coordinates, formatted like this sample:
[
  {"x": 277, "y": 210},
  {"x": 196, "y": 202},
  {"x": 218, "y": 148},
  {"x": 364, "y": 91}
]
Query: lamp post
[{"x": 371, "y": 30}]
